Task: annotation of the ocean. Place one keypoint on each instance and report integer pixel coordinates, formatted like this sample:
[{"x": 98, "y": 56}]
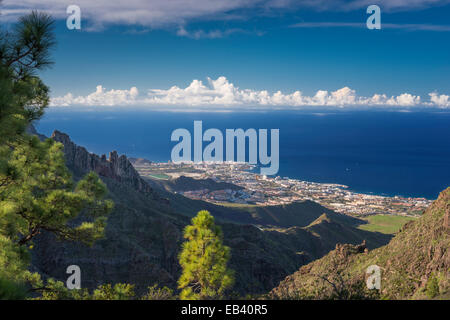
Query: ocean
[{"x": 376, "y": 152}]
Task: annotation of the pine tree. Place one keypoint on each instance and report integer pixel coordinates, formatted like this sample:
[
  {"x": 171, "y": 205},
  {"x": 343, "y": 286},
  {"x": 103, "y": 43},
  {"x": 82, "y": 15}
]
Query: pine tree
[
  {"x": 23, "y": 51},
  {"x": 204, "y": 260},
  {"x": 36, "y": 189}
]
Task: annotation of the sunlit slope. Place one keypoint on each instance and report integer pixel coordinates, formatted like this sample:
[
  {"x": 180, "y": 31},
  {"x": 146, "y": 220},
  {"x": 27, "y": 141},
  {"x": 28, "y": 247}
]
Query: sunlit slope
[{"x": 415, "y": 264}]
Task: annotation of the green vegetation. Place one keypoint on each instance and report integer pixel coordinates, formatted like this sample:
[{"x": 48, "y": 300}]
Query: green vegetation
[
  {"x": 37, "y": 193},
  {"x": 204, "y": 260},
  {"x": 414, "y": 265},
  {"x": 156, "y": 293},
  {"x": 236, "y": 205},
  {"x": 23, "y": 95},
  {"x": 55, "y": 290},
  {"x": 120, "y": 291},
  {"x": 329, "y": 280},
  {"x": 10, "y": 290},
  {"x": 161, "y": 176},
  {"x": 384, "y": 223},
  {"x": 432, "y": 288},
  {"x": 182, "y": 183}
]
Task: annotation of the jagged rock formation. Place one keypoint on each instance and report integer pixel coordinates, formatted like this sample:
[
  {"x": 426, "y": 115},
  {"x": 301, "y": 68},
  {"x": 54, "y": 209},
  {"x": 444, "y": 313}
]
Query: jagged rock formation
[
  {"x": 115, "y": 167},
  {"x": 414, "y": 265}
]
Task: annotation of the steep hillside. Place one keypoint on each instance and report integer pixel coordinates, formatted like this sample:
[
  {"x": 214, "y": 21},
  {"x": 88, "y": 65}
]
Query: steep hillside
[
  {"x": 183, "y": 183},
  {"x": 144, "y": 235},
  {"x": 414, "y": 265},
  {"x": 300, "y": 213},
  {"x": 139, "y": 161}
]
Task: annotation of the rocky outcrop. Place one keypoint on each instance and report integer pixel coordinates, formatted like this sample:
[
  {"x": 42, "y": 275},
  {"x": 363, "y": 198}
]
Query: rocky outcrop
[
  {"x": 415, "y": 264},
  {"x": 115, "y": 167},
  {"x": 346, "y": 250}
]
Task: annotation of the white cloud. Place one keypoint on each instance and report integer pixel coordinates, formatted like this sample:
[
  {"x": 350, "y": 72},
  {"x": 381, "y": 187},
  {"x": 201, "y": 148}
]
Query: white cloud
[
  {"x": 405, "y": 99},
  {"x": 211, "y": 34},
  {"x": 221, "y": 93},
  {"x": 440, "y": 100},
  {"x": 149, "y": 13},
  {"x": 386, "y": 5},
  {"x": 158, "y": 13},
  {"x": 100, "y": 97}
]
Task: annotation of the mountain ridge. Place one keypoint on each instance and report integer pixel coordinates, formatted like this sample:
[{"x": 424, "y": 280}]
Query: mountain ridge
[{"x": 115, "y": 167}]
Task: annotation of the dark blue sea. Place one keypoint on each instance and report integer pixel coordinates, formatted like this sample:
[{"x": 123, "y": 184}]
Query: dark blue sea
[{"x": 379, "y": 152}]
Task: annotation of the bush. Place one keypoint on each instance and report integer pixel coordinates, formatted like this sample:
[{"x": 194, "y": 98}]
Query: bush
[
  {"x": 155, "y": 293},
  {"x": 432, "y": 289}
]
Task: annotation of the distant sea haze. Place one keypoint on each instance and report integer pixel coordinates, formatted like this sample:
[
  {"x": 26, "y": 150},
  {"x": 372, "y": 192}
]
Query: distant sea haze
[{"x": 386, "y": 153}]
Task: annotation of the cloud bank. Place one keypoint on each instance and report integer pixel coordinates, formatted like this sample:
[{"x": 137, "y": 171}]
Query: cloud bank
[
  {"x": 158, "y": 13},
  {"x": 222, "y": 94}
]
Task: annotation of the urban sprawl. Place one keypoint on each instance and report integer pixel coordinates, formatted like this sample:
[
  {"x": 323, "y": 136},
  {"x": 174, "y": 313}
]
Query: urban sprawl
[{"x": 261, "y": 190}]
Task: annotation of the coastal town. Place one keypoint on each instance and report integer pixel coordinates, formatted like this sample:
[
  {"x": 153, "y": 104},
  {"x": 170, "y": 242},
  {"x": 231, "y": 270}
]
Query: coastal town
[{"x": 256, "y": 189}]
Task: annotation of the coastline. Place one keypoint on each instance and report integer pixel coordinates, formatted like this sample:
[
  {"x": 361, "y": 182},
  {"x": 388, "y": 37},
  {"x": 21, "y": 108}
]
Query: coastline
[
  {"x": 387, "y": 153},
  {"x": 262, "y": 190}
]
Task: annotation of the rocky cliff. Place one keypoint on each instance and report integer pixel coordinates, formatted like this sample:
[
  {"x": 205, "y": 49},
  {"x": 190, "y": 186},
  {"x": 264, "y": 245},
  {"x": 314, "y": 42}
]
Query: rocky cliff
[{"x": 115, "y": 167}]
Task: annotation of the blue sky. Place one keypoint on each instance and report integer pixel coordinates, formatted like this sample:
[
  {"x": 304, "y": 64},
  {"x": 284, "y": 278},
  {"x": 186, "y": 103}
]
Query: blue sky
[{"x": 134, "y": 52}]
